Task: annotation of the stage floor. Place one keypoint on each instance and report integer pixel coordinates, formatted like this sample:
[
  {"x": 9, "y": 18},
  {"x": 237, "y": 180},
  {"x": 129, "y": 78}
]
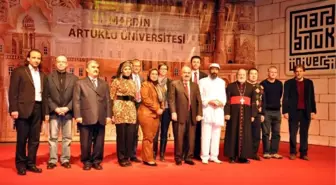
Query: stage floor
[{"x": 319, "y": 171}]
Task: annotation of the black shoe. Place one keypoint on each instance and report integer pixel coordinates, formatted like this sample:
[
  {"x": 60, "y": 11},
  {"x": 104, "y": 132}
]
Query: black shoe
[
  {"x": 149, "y": 164},
  {"x": 87, "y": 167},
  {"x": 232, "y": 160},
  {"x": 97, "y": 166},
  {"x": 34, "y": 169},
  {"x": 178, "y": 163},
  {"x": 136, "y": 160},
  {"x": 198, "y": 158},
  {"x": 51, "y": 166},
  {"x": 66, "y": 165},
  {"x": 125, "y": 163},
  {"x": 243, "y": 160},
  {"x": 162, "y": 158},
  {"x": 189, "y": 161},
  {"x": 21, "y": 171}
]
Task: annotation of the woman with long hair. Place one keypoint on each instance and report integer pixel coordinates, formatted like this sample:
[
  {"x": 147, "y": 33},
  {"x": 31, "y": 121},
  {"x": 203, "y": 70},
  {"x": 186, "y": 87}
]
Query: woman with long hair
[
  {"x": 122, "y": 93},
  {"x": 149, "y": 115}
]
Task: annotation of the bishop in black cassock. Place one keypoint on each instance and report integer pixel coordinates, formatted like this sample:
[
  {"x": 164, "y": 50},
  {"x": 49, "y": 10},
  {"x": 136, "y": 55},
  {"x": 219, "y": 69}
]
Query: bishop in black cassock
[{"x": 240, "y": 111}]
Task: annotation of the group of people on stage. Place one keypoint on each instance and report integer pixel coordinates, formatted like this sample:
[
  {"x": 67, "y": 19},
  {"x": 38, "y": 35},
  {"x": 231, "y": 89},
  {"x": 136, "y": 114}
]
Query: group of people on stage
[{"x": 198, "y": 105}]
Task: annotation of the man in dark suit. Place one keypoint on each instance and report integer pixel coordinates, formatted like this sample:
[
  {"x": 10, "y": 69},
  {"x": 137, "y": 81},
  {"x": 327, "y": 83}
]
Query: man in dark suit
[
  {"x": 59, "y": 91},
  {"x": 26, "y": 100},
  {"x": 136, "y": 68},
  {"x": 92, "y": 110},
  {"x": 186, "y": 108},
  {"x": 196, "y": 76},
  {"x": 299, "y": 106}
]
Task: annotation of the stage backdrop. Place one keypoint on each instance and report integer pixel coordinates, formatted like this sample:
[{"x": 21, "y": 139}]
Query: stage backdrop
[{"x": 239, "y": 33}]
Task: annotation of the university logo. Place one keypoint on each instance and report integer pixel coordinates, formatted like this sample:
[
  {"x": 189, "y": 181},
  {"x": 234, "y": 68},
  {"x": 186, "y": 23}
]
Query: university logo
[{"x": 310, "y": 37}]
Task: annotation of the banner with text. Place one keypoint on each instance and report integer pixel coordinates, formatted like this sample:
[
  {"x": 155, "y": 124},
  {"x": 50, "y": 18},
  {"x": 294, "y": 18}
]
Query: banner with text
[{"x": 106, "y": 34}]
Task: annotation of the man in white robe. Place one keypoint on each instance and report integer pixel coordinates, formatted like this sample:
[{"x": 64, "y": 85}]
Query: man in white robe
[{"x": 213, "y": 96}]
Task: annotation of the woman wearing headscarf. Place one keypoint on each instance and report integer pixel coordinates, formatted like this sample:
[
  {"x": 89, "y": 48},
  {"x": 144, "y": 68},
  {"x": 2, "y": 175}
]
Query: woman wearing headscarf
[
  {"x": 149, "y": 115},
  {"x": 123, "y": 91}
]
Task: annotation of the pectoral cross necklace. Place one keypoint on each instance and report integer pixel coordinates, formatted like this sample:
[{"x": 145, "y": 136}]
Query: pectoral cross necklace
[{"x": 241, "y": 93}]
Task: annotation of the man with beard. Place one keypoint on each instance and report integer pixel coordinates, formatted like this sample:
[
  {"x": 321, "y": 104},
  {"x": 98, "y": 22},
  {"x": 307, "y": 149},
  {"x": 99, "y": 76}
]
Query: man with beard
[
  {"x": 213, "y": 99},
  {"x": 256, "y": 124},
  {"x": 196, "y": 76},
  {"x": 240, "y": 111},
  {"x": 26, "y": 98},
  {"x": 299, "y": 107},
  {"x": 186, "y": 108}
]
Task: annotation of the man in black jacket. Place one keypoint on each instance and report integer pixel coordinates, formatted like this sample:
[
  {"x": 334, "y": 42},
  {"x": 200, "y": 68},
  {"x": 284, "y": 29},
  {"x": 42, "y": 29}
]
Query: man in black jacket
[
  {"x": 26, "y": 102},
  {"x": 196, "y": 76},
  {"x": 59, "y": 91},
  {"x": 299, "y": 106}
]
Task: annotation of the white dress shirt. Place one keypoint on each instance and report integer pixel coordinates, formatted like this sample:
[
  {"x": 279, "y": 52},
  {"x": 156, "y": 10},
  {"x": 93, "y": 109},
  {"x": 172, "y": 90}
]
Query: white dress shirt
[{"x": 37, "y": 82}]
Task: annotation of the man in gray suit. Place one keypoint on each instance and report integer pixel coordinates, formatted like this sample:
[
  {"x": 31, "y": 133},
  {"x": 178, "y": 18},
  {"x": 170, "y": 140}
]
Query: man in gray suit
[
  {"x": 59, "y": 89},
  {"x": 92, "y": 110}
]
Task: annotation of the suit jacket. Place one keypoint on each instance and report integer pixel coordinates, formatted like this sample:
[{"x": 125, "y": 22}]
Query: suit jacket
[
  {"x": 178, "y": 101},
  {"x": 52, "y": 88},
  {"x": 149, "y": 104},
  {"x": 90, "y": 103},
  {"x": 290, "y": 97},
  {"x": 21, "y": 94}
]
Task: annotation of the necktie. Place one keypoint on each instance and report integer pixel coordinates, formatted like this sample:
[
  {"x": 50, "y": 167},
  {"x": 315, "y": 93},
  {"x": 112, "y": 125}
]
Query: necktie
[
  {"x": 94, "y": 83},
  {"x": 195, "y": 78},
  {"x": 188, "y": 93}
]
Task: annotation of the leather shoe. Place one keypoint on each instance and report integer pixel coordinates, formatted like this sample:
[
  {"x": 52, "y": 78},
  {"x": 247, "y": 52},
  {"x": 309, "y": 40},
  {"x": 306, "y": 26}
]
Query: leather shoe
[
  {"x": 198, "y": 158},
  {"x": 66, "y": 165},
  {"x": 149, "y": 164},
  {"x": 304, "y": 158},
  {"x": 136, "y": 160},
  {"x": 292, "y": 157},
  {"x": 21, "y": 171},
  {"x": 51, "y": 166},
  {"x": 162, "y": 158},
  {"x": 34, "y": 169},
  {"x": 243, "y": 160},
  {"x": 256, "y": 157},
  {"x": 87, "y": 167},
  {"x": 97, "y": 166},
  {"x": 190, "y": 162},
  {"x": 178, "y": 163}
]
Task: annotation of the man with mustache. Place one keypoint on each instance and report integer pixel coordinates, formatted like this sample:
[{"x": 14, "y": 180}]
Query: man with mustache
[
  {"x": 240, "y": 111},
  {"x": 26, "y": 101},
  {"x": 92, "y": 111},
  {"x": 186, "y": 108},
  {"x": 213, "y": 99}
]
